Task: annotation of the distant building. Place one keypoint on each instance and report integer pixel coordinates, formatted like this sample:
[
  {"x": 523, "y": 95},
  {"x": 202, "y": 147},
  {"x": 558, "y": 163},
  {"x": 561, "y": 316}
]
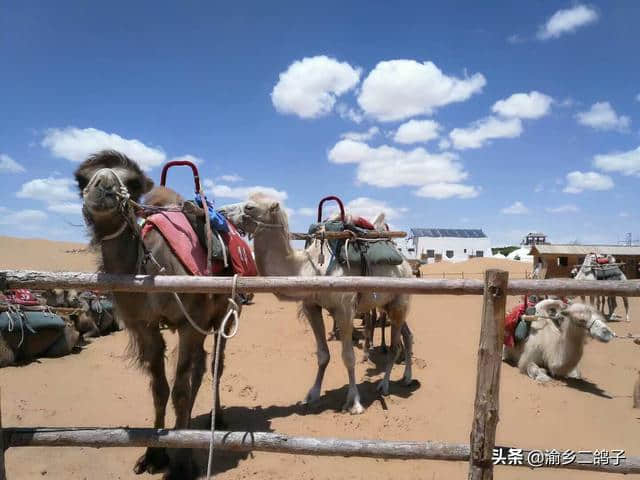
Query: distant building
[
  {"x": 557, "y": 261},
  {"x": 534, "y": 238},
  {"x": 436, "y": 244}
]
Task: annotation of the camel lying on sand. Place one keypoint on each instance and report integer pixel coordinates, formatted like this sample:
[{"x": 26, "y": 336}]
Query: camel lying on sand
[
  {"x": 106, "y": 181},
  {"x": 267, "y": 221},
  {"x": 556, "y": 340}
]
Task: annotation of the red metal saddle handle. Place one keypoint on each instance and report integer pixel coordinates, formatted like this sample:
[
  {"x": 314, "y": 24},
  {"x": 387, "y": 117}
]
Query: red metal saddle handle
[
  {"x": 338, "y": 201},
  {"x": 181, "y": 163}
]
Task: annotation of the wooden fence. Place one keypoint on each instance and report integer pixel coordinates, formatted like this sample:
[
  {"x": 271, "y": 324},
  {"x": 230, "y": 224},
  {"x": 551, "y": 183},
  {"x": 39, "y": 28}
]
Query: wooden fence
[{"x": 479, "y": 453}]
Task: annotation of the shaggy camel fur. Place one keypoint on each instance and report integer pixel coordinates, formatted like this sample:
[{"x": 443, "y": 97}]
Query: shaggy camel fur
[
  {"x": 556, "y": 340},
  {"x": 111, "y": 221},
  {"x": 267, "y": 221},
  {"x": 636, "y": 393}
]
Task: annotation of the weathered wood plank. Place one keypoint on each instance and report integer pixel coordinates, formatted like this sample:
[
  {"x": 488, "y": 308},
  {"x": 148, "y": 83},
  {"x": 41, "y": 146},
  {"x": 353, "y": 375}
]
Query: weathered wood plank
[
  {"x": 189, "y": 284},
  {"x": 276, "y": 443},
  {"x": 486, "y": 407}
]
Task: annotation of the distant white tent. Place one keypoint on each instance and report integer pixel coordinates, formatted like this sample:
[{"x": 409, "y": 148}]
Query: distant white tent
[
  {"x": 521, "y": 254},
  {"x": 499, "y": 255}
]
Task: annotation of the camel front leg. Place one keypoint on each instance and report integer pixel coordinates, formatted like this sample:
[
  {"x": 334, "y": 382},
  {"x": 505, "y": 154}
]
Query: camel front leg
[
  {"x": 625, "y": 300},
  {"x": 151, "y": 348},
  {"x": 537, "y": 373},
  {"x": 407, "y": 340},
  {"x": 314, "y": 316},
  {"x": 344, "y": 317}
]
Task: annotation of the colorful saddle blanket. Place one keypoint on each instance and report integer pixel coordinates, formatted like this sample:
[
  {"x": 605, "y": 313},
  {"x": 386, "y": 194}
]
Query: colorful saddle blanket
[
  {"x": 187, "y": 246},
  {"x": 515, "y": 329}
]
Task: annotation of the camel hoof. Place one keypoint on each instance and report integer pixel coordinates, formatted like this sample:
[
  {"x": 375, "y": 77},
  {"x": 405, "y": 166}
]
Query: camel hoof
[
  {"x": 355, "y": 409},
  {"x": 153, "y": 461},
  {"x": 312, "y": 396},
  {"x": 383, "y": 388},
  {"x": 407, "y": 381}
]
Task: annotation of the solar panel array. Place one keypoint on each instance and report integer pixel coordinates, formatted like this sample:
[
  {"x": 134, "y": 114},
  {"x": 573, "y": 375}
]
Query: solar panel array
[{"x": 448, "y": 232}]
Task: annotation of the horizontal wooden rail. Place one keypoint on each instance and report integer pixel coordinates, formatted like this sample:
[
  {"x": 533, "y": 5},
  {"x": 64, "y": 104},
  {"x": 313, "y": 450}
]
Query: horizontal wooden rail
[
  {"x": 189, "y": 284},
  {"x": 375, "y": 234},
  {"x": 277, "y": 443}
]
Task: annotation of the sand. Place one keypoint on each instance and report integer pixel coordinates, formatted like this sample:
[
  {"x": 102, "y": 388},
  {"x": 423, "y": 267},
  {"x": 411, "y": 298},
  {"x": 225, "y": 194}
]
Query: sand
[{"x": 270, "y": 366}]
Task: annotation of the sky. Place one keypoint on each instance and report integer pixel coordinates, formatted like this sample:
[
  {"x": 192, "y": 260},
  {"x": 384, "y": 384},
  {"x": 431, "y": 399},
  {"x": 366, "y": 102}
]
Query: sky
[{"x": 507, "y": 116}]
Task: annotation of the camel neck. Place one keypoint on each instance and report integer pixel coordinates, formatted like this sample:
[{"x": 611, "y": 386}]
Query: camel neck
[
  {"x": 120, "y": 255},
  {"x": 274, "y": 254},
  {"x": 574, "y": 337}
]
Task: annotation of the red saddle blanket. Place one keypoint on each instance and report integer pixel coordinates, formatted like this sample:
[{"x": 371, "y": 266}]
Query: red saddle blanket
[
  {"x": 510, "y": 323},
  {"x": 182, "y": 238}
]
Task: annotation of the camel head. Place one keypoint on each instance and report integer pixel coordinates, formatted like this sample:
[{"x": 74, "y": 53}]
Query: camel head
[
  {"x": 260, "y": 211},
  {"x": 580, "y": 315},
  {"x": 101, "y": 179}
]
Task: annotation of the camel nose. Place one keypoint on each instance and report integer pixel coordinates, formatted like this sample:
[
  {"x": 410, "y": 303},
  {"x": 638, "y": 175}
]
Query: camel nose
[{"x": 104, "y": 181}]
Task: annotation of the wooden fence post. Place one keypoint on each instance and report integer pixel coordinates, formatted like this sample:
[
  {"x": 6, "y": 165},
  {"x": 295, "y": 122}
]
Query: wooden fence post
[
  {"x": 485, "y": 411},
  {"x": 3, "y": 472}
]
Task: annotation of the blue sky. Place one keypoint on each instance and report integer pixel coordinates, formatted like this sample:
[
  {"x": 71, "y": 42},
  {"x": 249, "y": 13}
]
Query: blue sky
[{"x": 511, "y": 116}]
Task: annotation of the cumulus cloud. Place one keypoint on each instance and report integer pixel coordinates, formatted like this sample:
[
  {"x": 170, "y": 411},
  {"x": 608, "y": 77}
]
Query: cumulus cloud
[
  {"x": 602, "y": 116},
  {"x": 415, "y": 131},
  {"x": 517, "y": 208},
  {"x": 564, "y": 209},
  {"x": 567, "y": 21},
  {"x": 305, "y": 212},
  {"x": 484, "y": 130},
  {"x": 9, "y": 165},
  {"x": 75, "y": 144},
  {"x": 57, "y": 193},
  {"x": 399, "y": 89},
  {"x": 188, "y": 158},
  {"x": 349, "y": 113},
  {"x": 232, "y": 178},
  {"x": 21, "y": 218},
  {"x": 49, "y": 190},
  {"x": 242, "y": 193},
  {"x": 442, "y": 190},
  {"x": 626, "y": 163},
  {"x": 577, "y": 182},
  {"x": 361, "y": 136},
  {"x": 309, "y": 87},
  {"x": 524, "y": 105},
  {"x": 444, "y": 144},
  {"x": 370, "y": 208}
]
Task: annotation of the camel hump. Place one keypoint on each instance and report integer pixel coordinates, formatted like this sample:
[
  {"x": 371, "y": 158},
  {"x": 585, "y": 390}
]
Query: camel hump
[{"x": 162, "y": 196}]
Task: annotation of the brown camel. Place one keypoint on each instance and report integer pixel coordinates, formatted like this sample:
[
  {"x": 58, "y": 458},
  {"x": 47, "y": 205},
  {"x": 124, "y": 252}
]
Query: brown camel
[{"x": 105, "y": 180}]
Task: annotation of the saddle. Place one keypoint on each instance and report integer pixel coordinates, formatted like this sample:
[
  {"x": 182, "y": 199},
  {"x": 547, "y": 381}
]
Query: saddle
[
  {"x": 516, "y": 330},
  {"x": 21, "y": 310},
  {"x": 355, "y": 252}
]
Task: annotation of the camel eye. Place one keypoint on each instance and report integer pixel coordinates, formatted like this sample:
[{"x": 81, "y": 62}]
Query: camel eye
[{"x": 134, "y": 185}]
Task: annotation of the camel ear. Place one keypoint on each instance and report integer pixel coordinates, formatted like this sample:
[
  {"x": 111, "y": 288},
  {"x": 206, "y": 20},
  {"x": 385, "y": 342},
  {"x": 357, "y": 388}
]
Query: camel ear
[{"x": 274, "y": 207}]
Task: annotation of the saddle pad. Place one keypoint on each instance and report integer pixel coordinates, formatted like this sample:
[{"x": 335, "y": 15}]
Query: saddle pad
[
  {"x": 242, "y": 260},
  {"x": 32, "y": 321},
  {"x": 608, "y": 272},
  {"x": 179, "y": 234}
]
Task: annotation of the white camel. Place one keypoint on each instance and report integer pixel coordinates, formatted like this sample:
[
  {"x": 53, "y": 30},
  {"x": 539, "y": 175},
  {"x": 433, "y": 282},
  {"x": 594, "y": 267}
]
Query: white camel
[
  {"x": 556, "y": 340},
  {"x": 588, "y": 272},
  {"x": 267, "y": 221}
]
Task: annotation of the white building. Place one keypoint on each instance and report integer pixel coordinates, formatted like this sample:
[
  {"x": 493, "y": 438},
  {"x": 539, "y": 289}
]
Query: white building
[{"x": 436, "y": 244}]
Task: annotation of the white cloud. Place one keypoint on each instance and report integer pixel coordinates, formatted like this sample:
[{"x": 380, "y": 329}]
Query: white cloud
[
  {"x": 481, "y": 131},
  {"x": 50, "y": 190},
  {"x": 444, "y": 144},
  {"x": 524, "y": 105},
  {"x": 242, "y": 193},
  {"x": 579, "y": 181},
  {"x": 539, "y": 188},
  {"x": 21, "y": 218},
  {"x": 567, "y": 21},
  {"x": 9, "y": 165},
  {"x": 564, "y": 209},
  {"x": 57, "y": 193},
  {"x": 361, "y": 136},
  {"x": 517, "y": 208},
  {"x": 602, "y": 116},
  {"x": 306, "y": 212},
  {"x": 624, "y": 214},
  {"x": 370, "y": 208},
  {"x": 515, "y": 38},
  {"x": 442, "y": 190},
  {"x": 309, "y": 87},
  {"x": 75, "y": 144},
  {"x": 349, "y": 113},
  {"x": 387, "y": 166},
  {"x": 638, "y": 97},
  {"x": 188, "y": 158},
  {"x": 71, "y": 208},
  {"x": 399, "y": 89},
  {"x": 627, "y": 163},
  {"x": 415, "y": 131},
  {"x": 230, "y": 178}
]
